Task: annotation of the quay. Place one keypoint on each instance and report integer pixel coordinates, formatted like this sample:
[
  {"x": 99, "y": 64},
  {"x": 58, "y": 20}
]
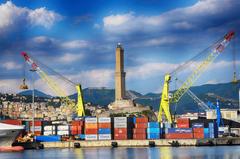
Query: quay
[{"x": 143, "y": 143}]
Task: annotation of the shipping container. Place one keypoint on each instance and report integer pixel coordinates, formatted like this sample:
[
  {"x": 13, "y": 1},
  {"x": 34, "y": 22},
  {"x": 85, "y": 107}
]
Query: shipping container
[
  {"x": 49, "y": 128},
  {"x": 120, "y": 131},
  {"x": 197, "y": 125},
  {"x": 120, "y": 136},
  {"x": 183, "y": 122},
  {"x": 63, "y": 127},
  {"x": 179, "y": 130},
  {"x": 91, "y": 131},
  {"x": 139, "y": 131},
  {"x": 91, "y": 137},
  {"x": 104, "y": 125},
  {"x": 198, "y": 135},
  {"x": 198, "y": 130},
  {"x": 141, "y": 120},
  {"x": 141, "y": 125},
  {"x": 104, "y": 120},
  {"x": 90, "y": 120},
  {"x": 47, "y": 138},
  {"x": 153, "y": 130},
  {"x": 120, "y": 125},
  {"x": 62, "y": 132},
  {"x": 120, "y": 119},
  {"x": 153, "y": 125},
  {"x": 13, "y": 122},
  {"x": 104, "y": 136},
  {"x": 104, "y": 131},
  {"x": 91, "y": 125},
  {"x": 153, "y": 136},
  {"x": 139, "y": 136}
]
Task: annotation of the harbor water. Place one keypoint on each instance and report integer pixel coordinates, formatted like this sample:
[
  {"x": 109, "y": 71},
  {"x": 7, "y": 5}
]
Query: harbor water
[{"x": 219, "y": 152}]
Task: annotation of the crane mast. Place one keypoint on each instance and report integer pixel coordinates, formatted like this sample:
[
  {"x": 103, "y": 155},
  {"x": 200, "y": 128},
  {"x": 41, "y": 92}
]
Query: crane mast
[{"x": 164, "y": 104}]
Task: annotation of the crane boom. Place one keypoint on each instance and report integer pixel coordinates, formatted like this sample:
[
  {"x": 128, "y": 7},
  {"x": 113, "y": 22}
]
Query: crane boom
[
  {"x": 164, "y": 104},
  {"x": 57, "y": 90}
]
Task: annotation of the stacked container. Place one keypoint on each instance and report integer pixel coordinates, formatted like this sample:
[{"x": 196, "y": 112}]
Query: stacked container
[
  {"x": 123, "y": 128},
  {"x": 37, "y": 127},
  {"x": 183, "y": 122},
  {"x": 91, "y": 128},
  {"x": 198, "y": 130},
  {"x": 179, "y": 133},
  {"x": 140, "y": 124},
  {"x": 104, "y": 128},
  {"x": 213, "y": 130},
  {"x": 206, "y": 133},
  {"x": 77, "y": 127},
  {"x": 63, "y": 130},
  {"x": 153, "y": 130}
]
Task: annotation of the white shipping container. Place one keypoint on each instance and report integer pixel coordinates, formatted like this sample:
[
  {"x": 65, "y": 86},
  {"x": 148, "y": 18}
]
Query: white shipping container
[
  {"x": 104, "y": 136},
  {"x": 223, "y": 129},
  {"x": 49, "y": 128},
  {"x": 90, "y": 120},
  {"x": 120, "y": 119},
  {"x": 36, "y": 128},
  {"x": 47, "y": 133},
  {"x": 91, "y": 137},
  {"x": 104, "y": 120},
  {"x": 120, "y": 125},
  {"x": 61, "y": 132},
  {"x": 63, "y": 127}
]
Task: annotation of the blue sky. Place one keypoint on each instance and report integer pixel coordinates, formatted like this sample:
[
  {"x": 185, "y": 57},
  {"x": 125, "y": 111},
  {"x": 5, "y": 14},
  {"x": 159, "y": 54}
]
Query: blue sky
[{"x": 78, "y": 39}]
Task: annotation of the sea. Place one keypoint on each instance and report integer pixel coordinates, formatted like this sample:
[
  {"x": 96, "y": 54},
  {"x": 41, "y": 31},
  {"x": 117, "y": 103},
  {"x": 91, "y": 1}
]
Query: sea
[{"x": 219, "y": 152}]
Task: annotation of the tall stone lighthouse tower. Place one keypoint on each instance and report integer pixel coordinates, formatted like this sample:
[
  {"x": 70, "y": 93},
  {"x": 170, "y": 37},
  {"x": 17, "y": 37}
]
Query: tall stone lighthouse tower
[{"x": 119, "y": 74}]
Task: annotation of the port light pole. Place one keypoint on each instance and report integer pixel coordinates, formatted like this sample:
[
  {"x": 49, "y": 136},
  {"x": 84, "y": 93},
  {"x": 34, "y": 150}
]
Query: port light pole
[{"x": 33, "y": 101}]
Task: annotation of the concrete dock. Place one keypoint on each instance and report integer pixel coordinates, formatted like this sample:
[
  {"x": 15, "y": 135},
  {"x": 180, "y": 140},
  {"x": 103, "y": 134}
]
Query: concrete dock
[{"x": 144, "y": 143}]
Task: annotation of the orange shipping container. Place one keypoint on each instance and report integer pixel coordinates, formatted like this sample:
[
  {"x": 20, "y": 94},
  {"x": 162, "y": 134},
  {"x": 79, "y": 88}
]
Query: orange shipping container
[
  {"x": 120, "y": 136},
  {"x": 198, "y": 130},
  {"x": 36, "y": 123},
  {"x": 91, "y": 131},
  {"x": 91, "y": 125},
  {"x": 179, "y": 136},
  {"x": 77, "y": 123},
  {"x": 139, "y": 136},
  {"x": 180, "y": 125},
  {"x": 139, "y": 131},
  {"x": 141, "y": 125},
  {"x": 198, "y": 135},
  {"x": 141, "y": 120},
  {"x": 104, "y": 125}
]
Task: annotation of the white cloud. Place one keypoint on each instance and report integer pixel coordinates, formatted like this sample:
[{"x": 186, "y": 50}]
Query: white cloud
[
  {"x": 10, "y": 85},
  {"x": 16, "y": 17},
  {"x": 75, "y": 44},
  {"x": 69, "y": 58},
  {"x": 200, "y": 15},
  {"x": 11, "y": 65}
]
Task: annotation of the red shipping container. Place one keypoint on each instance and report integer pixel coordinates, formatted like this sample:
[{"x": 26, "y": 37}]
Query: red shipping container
[
  {"x": 36, "y": 123},
  {"x": 141, "y": 125},
  {"x": 198, "y": 130},
  {"x": 13, "y": 122},
  {"x": 120, "y": 136},
  {"x": 120, "y": 131},
  {"x": 198, "y": 135},
  {"x": 182, "y": 125},
  {"x": 141, "y": 120},
  {"x": 91, "y": 131},
  {"x": 184, "y": 121},
  {"x": 139, "y": 136},
  {"x": 139, "y": 131},
  {"x": 77, "y": 123},
  {"x": 104, "y": 125},
  {"x": 179, "y": 136}
]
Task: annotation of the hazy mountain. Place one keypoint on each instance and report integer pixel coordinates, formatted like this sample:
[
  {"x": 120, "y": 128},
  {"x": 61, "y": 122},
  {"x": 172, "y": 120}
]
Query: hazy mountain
[{"x": 36, "y": 92}]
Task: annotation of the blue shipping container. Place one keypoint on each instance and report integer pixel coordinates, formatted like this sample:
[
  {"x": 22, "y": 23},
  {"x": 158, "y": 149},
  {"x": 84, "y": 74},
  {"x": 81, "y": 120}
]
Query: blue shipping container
[
  {"x": 197, "y": 125},
  {"x": 180, "y": 130},
  {"x": 153, "y": 130},
  {"x": 153, "y": 124},
  {"x": 153, "y": 136},
  {"x": 104, "y": 131},
  {"x": 48, "y": 138},
  {"x": 213, "y": 130}
]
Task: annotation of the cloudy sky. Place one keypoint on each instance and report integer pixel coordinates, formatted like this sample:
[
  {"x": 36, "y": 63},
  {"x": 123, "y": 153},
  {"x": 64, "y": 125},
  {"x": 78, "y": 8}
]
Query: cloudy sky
[{"x": 78, "y": 39}]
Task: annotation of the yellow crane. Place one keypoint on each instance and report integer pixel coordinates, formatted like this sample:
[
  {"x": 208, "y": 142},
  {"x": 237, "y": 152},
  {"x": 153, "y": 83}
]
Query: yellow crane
[
  {"x": 79, "y": 107},
  {"x": 164, "y": 108}
]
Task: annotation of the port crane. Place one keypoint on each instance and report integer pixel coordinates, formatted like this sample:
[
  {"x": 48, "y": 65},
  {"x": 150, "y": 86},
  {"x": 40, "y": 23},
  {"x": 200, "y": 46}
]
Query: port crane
[
  {"x": 214, "y": 51},
  {"x": 79, "y": 107}
]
